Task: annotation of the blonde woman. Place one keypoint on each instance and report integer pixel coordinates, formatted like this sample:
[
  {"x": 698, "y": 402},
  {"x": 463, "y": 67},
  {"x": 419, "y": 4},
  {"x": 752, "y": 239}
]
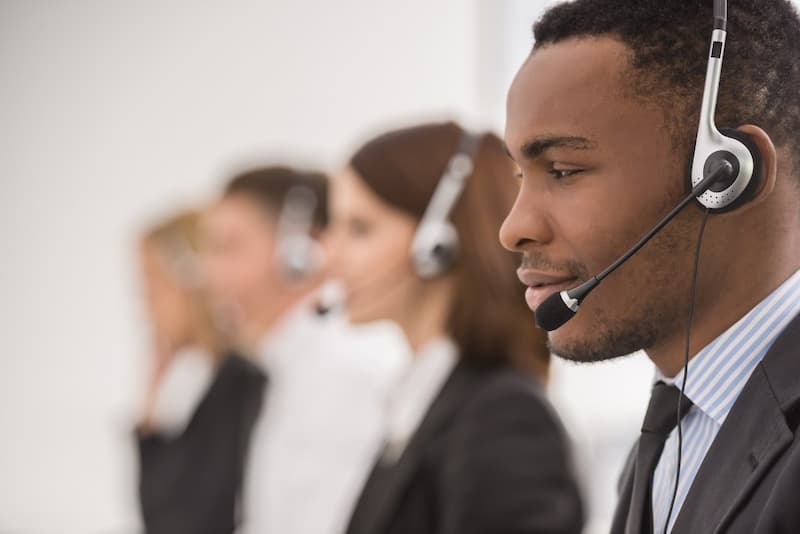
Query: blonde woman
[{"x": 191, "y": 452}]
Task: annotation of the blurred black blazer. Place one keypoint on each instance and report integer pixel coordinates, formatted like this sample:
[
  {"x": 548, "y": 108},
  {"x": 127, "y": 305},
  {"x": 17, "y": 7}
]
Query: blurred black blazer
[
  {"x": 190, "y": 484},
  {"x": 488, "y": 458}
]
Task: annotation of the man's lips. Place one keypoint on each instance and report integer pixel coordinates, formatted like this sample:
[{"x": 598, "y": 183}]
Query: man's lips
[{"x": 542, "y": 285}]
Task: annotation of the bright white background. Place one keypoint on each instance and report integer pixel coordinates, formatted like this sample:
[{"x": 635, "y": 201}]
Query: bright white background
[{"x": 113, "y": 111}]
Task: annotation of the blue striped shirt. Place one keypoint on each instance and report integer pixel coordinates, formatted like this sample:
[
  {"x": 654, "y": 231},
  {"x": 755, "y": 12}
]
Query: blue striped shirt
[{"x": 716, "y": 377}]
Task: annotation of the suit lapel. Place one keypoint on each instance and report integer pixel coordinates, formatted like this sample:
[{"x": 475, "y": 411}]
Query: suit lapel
[
  {"x": 751, "y": 439},
  {"x": 735, "y": 464},
  {"x": 391, "y": 490}
]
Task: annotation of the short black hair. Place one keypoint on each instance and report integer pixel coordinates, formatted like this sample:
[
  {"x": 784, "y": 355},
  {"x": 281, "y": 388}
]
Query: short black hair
[
  {"x": 268, "y": 187},
  {"x": 669, "y": 41}
]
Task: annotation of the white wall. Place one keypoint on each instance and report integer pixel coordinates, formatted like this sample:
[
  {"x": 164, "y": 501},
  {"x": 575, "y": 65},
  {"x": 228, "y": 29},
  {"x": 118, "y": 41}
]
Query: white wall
[{"x": 113, "y": 111}]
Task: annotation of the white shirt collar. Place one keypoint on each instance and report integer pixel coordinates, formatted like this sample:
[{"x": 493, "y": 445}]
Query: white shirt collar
[
  {"x": 415, "y": 391},
  {"x": 719, "y": 372}
]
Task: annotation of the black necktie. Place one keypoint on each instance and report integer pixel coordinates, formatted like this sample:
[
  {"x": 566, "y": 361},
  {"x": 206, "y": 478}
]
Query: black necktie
[{"x": 660, "y": 419}]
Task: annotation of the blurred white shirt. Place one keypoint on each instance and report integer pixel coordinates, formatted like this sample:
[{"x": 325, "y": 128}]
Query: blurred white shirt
[
  {"x": 185, "y": 383},
  {"x": 322, "y": 422}
]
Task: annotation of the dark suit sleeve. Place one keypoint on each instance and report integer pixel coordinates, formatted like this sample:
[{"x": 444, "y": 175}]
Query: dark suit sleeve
[
  {"x": 189, "y": 484},
  {"x": 508, "y": 468}
]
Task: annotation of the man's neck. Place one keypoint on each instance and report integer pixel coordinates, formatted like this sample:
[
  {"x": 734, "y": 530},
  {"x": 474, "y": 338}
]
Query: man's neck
[{"x": 712, "y": 318}]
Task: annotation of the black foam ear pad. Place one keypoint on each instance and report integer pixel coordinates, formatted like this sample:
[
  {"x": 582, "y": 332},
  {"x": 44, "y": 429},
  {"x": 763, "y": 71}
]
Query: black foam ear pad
[{"x": 757, "y": 179}]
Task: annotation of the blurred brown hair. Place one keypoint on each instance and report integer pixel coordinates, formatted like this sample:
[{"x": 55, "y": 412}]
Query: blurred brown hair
[
  {"x": 268, "y": 187},
  {"x": 177, "y": 241},
  {"x": 489, "y": 319}
]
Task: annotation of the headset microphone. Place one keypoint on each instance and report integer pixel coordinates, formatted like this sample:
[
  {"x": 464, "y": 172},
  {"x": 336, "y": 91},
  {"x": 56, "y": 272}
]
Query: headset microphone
[{"x": 559, "y": 308}]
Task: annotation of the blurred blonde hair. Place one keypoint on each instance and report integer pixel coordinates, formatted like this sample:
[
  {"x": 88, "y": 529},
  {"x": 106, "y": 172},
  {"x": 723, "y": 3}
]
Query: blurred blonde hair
[{"x": 177, "y": 242}]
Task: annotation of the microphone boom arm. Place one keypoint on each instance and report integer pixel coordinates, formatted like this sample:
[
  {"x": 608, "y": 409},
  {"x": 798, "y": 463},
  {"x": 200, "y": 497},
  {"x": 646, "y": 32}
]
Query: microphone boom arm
[{"x": 559, "y": 308}]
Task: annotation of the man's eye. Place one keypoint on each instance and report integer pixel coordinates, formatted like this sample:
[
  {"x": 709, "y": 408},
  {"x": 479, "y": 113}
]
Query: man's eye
[{"x": 560, "y": 174}]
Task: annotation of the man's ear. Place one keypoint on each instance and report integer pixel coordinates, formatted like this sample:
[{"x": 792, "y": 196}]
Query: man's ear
[{"x": 769, "y": 161}]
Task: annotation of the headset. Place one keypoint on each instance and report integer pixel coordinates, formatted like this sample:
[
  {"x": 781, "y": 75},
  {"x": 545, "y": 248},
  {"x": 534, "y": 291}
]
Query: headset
[
  {"x": 297, "y": 253},
  {"x": 435, "y": 246},
  {"x": 716, "y": 145}
]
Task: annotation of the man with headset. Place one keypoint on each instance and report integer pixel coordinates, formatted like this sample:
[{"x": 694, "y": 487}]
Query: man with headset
[{"x": 603, "y": 122}]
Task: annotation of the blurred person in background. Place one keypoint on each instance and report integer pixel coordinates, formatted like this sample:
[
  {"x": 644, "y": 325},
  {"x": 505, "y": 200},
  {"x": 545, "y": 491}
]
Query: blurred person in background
[
  {"x": 470, "y": 443},
  {"x": 319, "y": 425},
  {"x": 262, "y": 254},
  {"x": 191, "y": 452},
  {"x": 279, "y": 440}
]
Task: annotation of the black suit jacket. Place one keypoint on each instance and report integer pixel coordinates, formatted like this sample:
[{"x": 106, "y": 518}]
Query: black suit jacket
[
  {"x": 749, "y": 482},
  {"x": 190, "y": 484},
  {"x": 488, "y": 458}
]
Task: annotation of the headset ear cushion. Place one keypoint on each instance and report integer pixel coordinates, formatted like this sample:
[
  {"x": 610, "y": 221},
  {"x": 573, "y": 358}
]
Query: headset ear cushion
[{"x": 758, "y": 171}]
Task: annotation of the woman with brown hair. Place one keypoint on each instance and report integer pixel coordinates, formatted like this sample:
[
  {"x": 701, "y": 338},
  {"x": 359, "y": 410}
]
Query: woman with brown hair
[{"x": 471, "y": 444}]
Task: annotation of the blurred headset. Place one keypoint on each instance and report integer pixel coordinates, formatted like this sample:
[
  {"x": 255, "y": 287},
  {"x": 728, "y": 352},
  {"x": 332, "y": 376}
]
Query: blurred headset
[
  {"x": 298, "y": 254},
  {"x": 435, "y": 246}
]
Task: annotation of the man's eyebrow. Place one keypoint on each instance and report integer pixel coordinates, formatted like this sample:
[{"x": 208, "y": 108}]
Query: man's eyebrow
[{"x": 533, "y": 149}]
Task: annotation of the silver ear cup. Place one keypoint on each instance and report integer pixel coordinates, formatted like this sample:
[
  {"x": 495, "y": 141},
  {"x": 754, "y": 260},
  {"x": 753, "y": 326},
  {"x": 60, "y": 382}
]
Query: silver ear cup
[
  {"x": 434, "y": 249},
  {"x": 297, "y": 252},
  {"x": 300, "y": 256},
  {"x": 435, "y": 245},
  {"x": 721, "y": 195}
]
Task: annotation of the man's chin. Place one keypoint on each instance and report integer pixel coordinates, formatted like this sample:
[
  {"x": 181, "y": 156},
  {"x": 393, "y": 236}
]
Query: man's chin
[
  {"x": 579, "y": 353},
  {"x": 589, "y": 345}
]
